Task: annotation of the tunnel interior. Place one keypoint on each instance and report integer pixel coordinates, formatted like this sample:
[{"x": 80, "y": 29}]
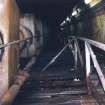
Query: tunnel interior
[
  {"x": 56, "y": 66},
  {"x": 52, "y": 52}
]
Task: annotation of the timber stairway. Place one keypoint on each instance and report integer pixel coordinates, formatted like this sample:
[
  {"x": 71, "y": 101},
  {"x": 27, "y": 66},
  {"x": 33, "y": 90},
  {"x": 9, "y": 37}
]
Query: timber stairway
[{"x": 56, "y": 85}]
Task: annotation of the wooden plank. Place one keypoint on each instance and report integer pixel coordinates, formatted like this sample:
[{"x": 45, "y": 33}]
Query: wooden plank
[
  {"x": 13, "y": 35},
  {"x": 9, "y": 22}
]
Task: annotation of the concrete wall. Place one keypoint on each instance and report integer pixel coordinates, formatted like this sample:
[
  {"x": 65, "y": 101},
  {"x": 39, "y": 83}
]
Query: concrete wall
[
  {"x": 28, "y": 21},
  {"x": 98, "y": 26},
  {"x": 9, "y": 26},
  {"x": 92, "y": 24},
  {"x": 39, "y": 31}
]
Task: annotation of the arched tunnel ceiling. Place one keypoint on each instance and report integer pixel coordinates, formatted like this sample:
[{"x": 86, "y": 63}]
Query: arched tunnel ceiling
[{"x": 52, "y": 11}]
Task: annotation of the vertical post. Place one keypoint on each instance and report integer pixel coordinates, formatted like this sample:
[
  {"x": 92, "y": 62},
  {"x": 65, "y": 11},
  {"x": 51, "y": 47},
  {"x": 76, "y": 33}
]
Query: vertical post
[
  {"x": 9, "y": 27},
  {"x": 74, "y": 49},
  {"x": 87, "y": 57},
  {"x": 79, "y": 54},
  {"x": 75, "y": 55},
  {"x": 97, "y": 66}
]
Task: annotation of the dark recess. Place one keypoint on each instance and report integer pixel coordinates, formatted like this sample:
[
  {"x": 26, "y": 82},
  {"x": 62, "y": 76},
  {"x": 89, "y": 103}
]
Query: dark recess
[{"x": 52, "y": 11}]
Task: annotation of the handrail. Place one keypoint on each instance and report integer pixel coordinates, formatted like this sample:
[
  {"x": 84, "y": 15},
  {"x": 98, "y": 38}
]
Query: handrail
[
  {"x": 97, "y": 66},
  {"x": 55, "y": 57},
  {"x": 97, "y": 44},
  {"x": 94, "y": 43},
  {"x": 90, "y": 53},
  {"x": 15, "y": 42}
]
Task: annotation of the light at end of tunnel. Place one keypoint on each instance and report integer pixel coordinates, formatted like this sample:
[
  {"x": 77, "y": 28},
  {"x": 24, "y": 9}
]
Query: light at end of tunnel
[
  {"x": 92, "y": 3},
  {"x": 63, "y": 23},
  {"x": 68, "y": 19},
  {"x": 87, "y": 1},
  {"x": 74, "y": 13}
]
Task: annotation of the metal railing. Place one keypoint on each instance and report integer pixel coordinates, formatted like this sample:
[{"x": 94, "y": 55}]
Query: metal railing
[{"x": 89, "y": 54}]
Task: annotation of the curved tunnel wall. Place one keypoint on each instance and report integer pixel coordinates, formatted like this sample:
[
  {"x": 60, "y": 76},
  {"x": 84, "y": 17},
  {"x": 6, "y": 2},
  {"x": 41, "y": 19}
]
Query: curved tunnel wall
[
  {"x": 91, "y": 23},
  {"x": 38, "y": 29}
]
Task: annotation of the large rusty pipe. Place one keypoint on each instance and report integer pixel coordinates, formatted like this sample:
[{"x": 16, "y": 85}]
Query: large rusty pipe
[
  {"x": 21, "y": 77},
  {"x": 11, "y": 93}
]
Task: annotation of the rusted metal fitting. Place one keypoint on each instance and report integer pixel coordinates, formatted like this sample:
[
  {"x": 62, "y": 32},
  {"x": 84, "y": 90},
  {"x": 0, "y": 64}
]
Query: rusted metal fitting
[
  {"x": 23, "y": 73},
  {"x": 21, "y": 77},
  {"x": 9, "y": 96}
]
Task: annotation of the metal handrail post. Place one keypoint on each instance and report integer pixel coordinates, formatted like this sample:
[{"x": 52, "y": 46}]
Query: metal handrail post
[
  {"x": 88, "y": 64},
  {"x": 54, "y": 58},
  {"x": 97, "y": 66}
]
